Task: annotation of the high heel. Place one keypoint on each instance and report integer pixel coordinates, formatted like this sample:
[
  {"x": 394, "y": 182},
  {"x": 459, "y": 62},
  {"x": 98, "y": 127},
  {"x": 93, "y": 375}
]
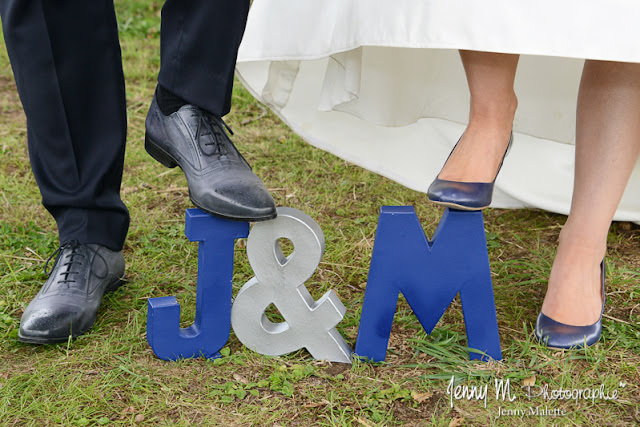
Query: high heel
[
  {"x": 560, "y": 336},
  {"x": 468, "y": 196}
]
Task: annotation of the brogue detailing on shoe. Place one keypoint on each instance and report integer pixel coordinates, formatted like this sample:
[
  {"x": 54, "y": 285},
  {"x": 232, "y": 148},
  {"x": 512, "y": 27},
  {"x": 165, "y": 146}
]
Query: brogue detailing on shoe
[{"x": 68, "y": 302}]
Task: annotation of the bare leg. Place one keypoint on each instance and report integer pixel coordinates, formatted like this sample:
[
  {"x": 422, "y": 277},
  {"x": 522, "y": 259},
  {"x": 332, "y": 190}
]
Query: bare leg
[
  {"x": 607, "y": 148},
  {"x": 493, "y": 105}
]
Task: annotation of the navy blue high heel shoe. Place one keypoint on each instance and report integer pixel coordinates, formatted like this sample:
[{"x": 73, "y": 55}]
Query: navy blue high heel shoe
[
  {"x": 468, "y": 196},
  {"x": 558, "y": 335}
]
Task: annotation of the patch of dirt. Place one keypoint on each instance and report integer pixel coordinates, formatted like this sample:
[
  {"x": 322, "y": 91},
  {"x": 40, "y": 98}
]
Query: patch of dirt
[
  {"x": 10, "y": 106},
  {"x": 15, "y": 169},
  {"x": 410, "y": 416},
  {"x": 626, "y": 247}
]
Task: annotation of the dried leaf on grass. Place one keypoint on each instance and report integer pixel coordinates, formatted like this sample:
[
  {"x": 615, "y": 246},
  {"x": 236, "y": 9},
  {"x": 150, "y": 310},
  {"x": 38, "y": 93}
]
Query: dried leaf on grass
[
  {"x": 323, "y": 402},
  {"x": 364, "y": 422},
  {"x": 420, "y": 397},
  {"x": 240, "y": 379},
  {"x": 530, "y": 381}
]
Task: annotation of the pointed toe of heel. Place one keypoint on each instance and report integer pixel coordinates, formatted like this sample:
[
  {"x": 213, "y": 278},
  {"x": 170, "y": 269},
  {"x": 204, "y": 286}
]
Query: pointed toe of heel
[
  {"x": 468, "y": 196},
  {"x": 557, "y": 335}
]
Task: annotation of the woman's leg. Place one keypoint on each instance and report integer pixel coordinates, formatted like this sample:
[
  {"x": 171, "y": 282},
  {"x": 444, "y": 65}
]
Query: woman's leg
[
  {"x": 607, "y": 148},
  {"x": 478, "y": 154}
]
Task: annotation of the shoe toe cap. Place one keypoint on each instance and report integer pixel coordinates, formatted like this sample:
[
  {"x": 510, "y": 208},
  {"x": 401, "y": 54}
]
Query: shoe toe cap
[
  {"x": 558, "y": 335},
  {"x": 467, "y": 194},
  {"x": 52, "y": 323},
  {"x": 241, "y": 196}
]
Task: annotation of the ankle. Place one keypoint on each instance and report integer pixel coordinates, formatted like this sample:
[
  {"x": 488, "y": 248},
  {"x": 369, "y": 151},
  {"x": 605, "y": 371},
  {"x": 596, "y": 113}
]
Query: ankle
[
  {"x": 497, "y": 112},
  {"x": 576, "y": 241}
]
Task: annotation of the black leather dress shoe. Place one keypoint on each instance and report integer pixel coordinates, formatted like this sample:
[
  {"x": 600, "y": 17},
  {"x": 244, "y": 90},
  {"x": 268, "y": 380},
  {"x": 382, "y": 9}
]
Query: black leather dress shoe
[
  {"x": 220, "y": 180},
  {"x": 68, "y": 302}
]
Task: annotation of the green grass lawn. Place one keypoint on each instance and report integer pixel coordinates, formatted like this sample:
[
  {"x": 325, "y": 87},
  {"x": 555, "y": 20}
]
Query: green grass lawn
[{"x": 111, "y": 377}]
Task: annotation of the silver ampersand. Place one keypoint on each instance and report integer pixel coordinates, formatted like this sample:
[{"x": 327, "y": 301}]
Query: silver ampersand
[{"x": 279, "y": 280}]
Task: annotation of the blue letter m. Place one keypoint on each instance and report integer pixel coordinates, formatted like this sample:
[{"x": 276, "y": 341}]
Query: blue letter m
[{"x": 429, "y": 275}]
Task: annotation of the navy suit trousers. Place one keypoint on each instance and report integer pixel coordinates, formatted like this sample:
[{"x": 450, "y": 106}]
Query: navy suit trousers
[{"x": 66, "y": 60}]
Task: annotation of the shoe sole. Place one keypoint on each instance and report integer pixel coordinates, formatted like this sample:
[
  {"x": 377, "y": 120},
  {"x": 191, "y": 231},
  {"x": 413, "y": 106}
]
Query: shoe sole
[
  {"x": 457, "y": 206},
  {"x": 563, "y": 348},
  {"x": 35, "y": 340},
  {"x": 569, "y": 349},
  {"x": 167, "y": 160},
  {"x": 241, "y": 219}
]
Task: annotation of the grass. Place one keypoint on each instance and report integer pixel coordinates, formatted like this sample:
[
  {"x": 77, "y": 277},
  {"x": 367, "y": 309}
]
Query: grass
[{"x": 111, "y": 377}]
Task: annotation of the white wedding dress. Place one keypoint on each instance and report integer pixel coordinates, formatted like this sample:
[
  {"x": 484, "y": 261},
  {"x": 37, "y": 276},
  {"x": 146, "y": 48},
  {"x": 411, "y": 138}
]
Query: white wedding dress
[{"x": 380, "y": 83}]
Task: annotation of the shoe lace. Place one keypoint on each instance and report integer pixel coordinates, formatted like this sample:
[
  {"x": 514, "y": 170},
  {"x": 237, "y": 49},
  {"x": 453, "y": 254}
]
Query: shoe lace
[
  {"x": 78, "y": 253},
  {"x": 210, "y": 125}
]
